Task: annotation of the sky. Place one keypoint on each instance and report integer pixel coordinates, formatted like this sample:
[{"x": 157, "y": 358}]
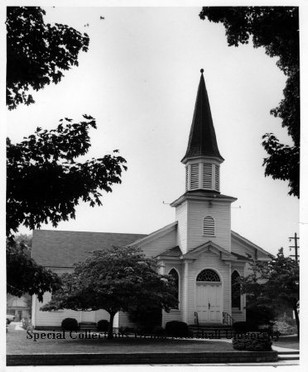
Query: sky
[{"x": 139, "y": 80}]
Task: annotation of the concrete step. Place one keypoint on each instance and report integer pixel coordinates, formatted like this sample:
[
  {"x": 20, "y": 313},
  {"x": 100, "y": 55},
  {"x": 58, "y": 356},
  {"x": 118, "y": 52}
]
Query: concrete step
[
  {"x": 87, "y": 325},
  {"x": 288, "y": 355}
]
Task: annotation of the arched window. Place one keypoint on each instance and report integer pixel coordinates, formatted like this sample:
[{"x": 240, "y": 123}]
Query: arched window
[
  {"x": 236, "y": 290},
  {"x": 208, "y": 275},
  {"x": 209, "y": 226},
  {"x": 175, "y": 277}
]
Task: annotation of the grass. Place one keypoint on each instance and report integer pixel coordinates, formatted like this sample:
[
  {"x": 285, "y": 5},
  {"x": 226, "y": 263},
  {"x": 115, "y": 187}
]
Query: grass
[{"x": 18, "y": 343}]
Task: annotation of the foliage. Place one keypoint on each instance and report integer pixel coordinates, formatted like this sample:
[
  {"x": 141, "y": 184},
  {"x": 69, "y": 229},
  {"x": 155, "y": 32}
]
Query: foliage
[
  {"x": 45, "y": 182},
  {"x": 273, "y": 284},
  {"x": 277, "y": 30},
  {"x": 103, "y": 325},
  {"x": 117, "y": 279},
  {"x": 69, "y": 324},
  {"x": 25, "y": 275},
  {"x": 25, "y": 239},
  {"x": 37, "y": 53},
  {"x": 177, "y": 329},
  {"x": 252, "y": 341},
  {"x": 259, "y": 314},
  {"x": 284, "y": 328}
]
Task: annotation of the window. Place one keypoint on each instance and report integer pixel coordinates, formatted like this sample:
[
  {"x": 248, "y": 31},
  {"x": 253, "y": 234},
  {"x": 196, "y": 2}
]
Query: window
[
  {"x": 209, "y": 226},
  {"x": 236, "y": 290},
  {"x": 175, "y": 276},
  {"x": 207, "y": 176},
  {"x": 194, "y": 176},
  {"x": 208, "y": 275}
]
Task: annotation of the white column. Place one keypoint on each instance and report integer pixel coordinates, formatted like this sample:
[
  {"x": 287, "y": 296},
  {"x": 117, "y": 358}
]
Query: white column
[{"x": 184, "y": 304}]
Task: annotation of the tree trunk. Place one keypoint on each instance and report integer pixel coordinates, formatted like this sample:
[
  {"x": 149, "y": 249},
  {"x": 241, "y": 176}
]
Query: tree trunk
[
  {"x": 110, "y": 330},
  {"x": 296, "y": 318}
]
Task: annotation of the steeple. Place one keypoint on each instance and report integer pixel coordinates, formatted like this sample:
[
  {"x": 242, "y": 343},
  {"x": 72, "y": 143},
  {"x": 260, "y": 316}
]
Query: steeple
[
  {"x": 202, "y": 137},
  {"x": 202, "y": 159}
]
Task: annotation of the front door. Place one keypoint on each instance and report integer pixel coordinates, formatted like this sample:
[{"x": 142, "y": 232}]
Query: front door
[{"x": 208, "y": 302}]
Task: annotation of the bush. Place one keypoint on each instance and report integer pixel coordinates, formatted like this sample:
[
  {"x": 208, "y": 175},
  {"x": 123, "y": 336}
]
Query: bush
[
  {"x": 252, "y": 341},
  {"x": 69, "y": 324},
  {"x": 102, "y": 325},
  {"x": 177, "y": 329},
  {"x": 159, "y": 331}
]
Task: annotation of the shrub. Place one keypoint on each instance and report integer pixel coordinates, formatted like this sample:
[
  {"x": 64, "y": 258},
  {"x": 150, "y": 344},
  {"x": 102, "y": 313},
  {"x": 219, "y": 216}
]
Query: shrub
[
  {"x": 177, "y": 329},
  {"x": 69, "y": 324},
  {"x": 252, "y": 341},
  {"x": 102, "y": 325},
  {"x": 159, "y": 331}
]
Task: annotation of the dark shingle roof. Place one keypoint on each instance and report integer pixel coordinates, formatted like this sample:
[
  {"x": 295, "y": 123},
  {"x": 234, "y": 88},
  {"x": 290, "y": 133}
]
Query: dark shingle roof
[
  {"x": 172, "y": 252},
  {"x": 202, "y": 137},
  {"x": 63, "y": 248}
]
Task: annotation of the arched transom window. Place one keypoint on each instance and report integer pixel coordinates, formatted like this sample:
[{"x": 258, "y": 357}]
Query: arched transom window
[{"x": 208, "y": 275}]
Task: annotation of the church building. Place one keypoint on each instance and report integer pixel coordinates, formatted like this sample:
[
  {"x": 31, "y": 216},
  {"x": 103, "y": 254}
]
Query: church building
[{"x": 199, "y": 248}]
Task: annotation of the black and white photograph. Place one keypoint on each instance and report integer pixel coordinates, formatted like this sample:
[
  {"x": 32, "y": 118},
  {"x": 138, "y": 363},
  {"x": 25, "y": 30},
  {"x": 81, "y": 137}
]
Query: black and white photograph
[{"x": 153, "y": 185}]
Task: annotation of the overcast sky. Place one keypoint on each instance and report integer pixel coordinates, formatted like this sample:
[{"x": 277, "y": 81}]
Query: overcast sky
[{"x": 139, "y": 80}]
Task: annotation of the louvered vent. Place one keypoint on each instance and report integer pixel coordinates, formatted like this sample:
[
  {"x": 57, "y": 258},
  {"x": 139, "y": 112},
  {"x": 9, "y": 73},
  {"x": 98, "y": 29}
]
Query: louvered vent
[
  {"x": 217, "y": 186},
  {"x": 209, "y": 226},
  {"x": 207, "y": 176},
  {"x": 186, "y": 177},
  {"x": 194, "y": 176}
]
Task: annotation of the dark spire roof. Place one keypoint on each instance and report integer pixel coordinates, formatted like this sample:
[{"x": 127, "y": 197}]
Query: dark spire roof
[{"x": 202, "y": 138}]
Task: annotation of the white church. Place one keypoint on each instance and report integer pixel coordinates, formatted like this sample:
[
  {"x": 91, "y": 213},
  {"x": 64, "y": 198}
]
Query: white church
[{"x": 199, "y": 248}]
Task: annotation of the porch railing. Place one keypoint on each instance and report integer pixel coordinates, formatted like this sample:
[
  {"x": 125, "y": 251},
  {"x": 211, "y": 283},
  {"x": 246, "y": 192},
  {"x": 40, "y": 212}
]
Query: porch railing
[{"x": 227, "y": 319}]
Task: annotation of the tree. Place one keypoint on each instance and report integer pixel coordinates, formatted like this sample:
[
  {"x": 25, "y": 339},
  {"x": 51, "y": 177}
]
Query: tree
[
  {"x": 273, "y": 284},
  {"x": 25, "y": 275},
  {"x": 277, "y": 30},
  {"x": 45, "y": 182},
  {"x": 117, "y": 279},
  {"x": 37, "y": 53}
]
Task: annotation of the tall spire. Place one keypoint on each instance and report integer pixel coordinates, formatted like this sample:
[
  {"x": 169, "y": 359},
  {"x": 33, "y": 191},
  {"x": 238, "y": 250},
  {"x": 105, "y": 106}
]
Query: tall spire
[{"x": 202, "y": 137}]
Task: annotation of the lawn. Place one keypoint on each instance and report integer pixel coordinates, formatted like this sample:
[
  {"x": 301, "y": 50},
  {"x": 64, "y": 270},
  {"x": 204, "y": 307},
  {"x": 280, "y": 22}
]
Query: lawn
[{"x": 18, "y": 343}]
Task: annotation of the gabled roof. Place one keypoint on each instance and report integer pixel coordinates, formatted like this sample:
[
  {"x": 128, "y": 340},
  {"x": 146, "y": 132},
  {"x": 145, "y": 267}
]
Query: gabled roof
[
  {"x": 56, "y": 248},
  {"x": 156, "y": 234},
  {"x": 202, "y": 138},
  {"x": 193, "y": 253},
  {"x": 249, "y": 243},
  {"x": 171, "y": 252}
]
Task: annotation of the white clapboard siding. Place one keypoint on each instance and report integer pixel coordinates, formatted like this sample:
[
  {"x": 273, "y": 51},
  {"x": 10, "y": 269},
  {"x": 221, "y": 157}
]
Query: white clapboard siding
[
  {"x": 221, "y": 215},
  {"x": 181, "y": 217},
  {"x": 156, "y": 246}
]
